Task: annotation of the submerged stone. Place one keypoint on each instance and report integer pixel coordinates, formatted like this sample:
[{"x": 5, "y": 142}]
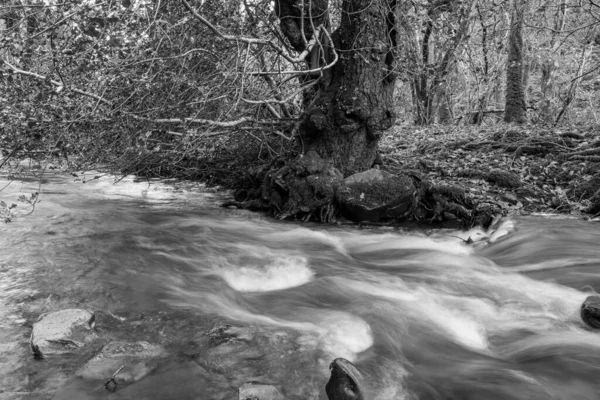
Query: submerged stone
[
  {"x": 135, "y": 358},
  {"x": 258, "y": 391},
  {"x": 345, "y": 382},
  {"x": 590, "y": 311},
  {"x": 375, "y": 195},
  {"x": 62, "y": 331}
]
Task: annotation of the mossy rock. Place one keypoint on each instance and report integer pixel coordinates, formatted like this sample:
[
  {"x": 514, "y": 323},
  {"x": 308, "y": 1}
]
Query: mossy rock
[
  {"x": 374, "y": 196},
  {"x": 503, "y": 179}
]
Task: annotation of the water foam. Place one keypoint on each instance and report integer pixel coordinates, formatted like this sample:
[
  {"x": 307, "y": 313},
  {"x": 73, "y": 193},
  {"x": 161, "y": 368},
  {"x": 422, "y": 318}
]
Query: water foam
[
  {"x": 459, "y": 324},
  {"x": 342, "y": 334},
  {"x": 383, "y": 242},
  {"x": 304, "y": 235},
  {"x": 338, "y": 333},
  {"x": 283, "y": 272}
]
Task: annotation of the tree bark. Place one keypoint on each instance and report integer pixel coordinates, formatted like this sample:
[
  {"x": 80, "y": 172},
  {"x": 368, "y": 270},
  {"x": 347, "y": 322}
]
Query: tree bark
[
  {"x": 547, "y": 111},
  {"x": 347, "y": 117},
  {"x": 515, "y": 109}
]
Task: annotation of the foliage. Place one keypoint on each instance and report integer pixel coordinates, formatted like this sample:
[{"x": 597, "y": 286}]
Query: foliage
[
  {"x": 6, "y": 211},
  {"x": 162, "y": 87}
]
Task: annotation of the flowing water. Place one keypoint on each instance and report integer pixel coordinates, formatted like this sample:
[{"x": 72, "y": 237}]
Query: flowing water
[{"x": 423, "y": 315}]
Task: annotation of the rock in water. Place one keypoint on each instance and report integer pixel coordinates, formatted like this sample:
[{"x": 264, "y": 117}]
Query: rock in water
[
  {"x": 257, "y": 391},
  {"x": 590, "y": 311},
  {"x": 62, "y": 331},
  {"x": 137, "y": 358},
  {"x": 345, "y": 381}
]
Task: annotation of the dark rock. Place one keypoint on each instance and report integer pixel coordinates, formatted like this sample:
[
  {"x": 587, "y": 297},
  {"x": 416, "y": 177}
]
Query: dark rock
[
  {"x": 590, "y": 311},
  {"x": 374, "y": 196},
  {"x": 257, "y": 391},
  {"x": 62, "y": 331},
  {"x": 345, "y": 382},
  {"x": 227, "y": 333}
]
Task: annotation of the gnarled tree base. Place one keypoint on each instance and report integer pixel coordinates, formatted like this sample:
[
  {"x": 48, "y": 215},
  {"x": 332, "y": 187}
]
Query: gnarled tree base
[{"x": 309, "y": 188}]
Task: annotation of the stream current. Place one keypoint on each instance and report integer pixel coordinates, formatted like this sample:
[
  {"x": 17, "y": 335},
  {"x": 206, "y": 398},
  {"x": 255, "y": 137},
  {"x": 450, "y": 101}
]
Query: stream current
[{"x": 422, "y": 315}]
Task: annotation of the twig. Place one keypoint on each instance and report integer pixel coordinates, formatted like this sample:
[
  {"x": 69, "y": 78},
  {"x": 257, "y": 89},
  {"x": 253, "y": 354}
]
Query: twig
[
  {"x": 112, "y": 387},
  {"x": 227, "y": 124}
]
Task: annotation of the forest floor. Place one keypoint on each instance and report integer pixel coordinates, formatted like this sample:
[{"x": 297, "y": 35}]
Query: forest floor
[{"x": 518, "y": 170}]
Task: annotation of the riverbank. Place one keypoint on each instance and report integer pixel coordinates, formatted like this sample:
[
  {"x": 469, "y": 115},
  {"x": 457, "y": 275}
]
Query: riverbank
[
  {"x": 503, "y": 170},
  {"x": 492, "y": 171}
]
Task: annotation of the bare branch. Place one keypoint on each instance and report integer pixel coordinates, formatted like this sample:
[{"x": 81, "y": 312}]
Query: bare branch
[
  {"x": 251, "y": 41},
  {"x": 224, "y": 124},
  {"x": 53, "y": 82}
]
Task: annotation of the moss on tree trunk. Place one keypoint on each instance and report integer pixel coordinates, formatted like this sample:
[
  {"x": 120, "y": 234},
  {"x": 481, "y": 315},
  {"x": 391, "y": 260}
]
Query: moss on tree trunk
[{"x": 515, "y": 110}]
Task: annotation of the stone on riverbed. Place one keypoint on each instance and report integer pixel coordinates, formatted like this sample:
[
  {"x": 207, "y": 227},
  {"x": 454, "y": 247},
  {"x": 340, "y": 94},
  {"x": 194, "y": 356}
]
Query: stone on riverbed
[
  {"x": 136, "y": 358},
  {"x": 590, "y": 311},
  {"x": 375, "y": 195},
  {"x": 345, "y": 382},
  {"x": 257, "y": 391},
  {"x": 62, "y": 332}
]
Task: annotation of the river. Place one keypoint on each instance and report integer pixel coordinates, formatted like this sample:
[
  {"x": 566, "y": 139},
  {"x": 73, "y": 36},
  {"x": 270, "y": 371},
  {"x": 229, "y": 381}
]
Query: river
[{"x": 422, "y": 314}]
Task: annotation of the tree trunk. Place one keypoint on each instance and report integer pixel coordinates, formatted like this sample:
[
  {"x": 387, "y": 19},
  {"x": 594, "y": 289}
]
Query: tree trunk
[
  {"x": 549, "y": 64},
  {"x": 348, "y": 115},
  {"x": 572, "y": 92},
  {"x": 444, "y": 110},
  {"x": 428, "y": 84},
  {"x": 515, "y": 109},
  {"x": 345, "y": 117}
]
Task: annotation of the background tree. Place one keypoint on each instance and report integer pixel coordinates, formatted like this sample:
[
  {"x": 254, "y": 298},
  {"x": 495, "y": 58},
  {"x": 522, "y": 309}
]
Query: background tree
[
  {"x": 515, "y": 108},
  {"x": 430, "y": 52}
]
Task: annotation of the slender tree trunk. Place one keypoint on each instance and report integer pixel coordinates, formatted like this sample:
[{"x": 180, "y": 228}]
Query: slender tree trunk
[
  {"x": 431, "y": 86},
  {"x": 423, "y": 96},
  {"x": 477, "y": 116},
  {"x": 515, "y": 109},
  {"x": 549, "y": 65},
  {"x": 585, "y": 54},
  {"x": 348, "y": 116},
  {"x": 444, "y": 110}
]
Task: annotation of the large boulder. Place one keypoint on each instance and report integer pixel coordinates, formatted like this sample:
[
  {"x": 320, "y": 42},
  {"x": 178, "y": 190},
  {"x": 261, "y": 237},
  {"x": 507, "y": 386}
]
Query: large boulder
[
  {"x": 62, "y": 332},
  {"x": 138, "y": 359},
  {"x": 590, "y": 311},
  {"x": 375, "y": 195},
  {"x": 345, "y": 382}
]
